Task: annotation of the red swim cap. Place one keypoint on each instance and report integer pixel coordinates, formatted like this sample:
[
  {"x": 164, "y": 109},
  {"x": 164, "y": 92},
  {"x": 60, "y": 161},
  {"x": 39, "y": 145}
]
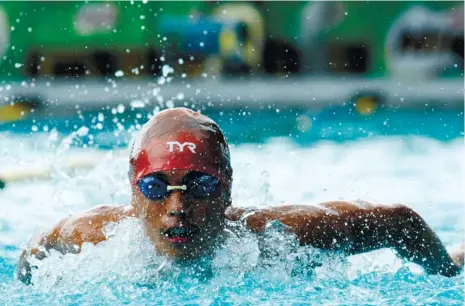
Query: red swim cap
[{"x": 180, "y": 139}]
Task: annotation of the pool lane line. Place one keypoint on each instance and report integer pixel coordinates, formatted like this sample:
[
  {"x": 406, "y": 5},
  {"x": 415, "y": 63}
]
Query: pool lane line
[{"x": 36, "y": 172}]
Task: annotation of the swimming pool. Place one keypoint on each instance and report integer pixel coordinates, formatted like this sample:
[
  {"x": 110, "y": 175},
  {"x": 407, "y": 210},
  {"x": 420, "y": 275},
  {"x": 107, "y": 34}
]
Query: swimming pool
[{"x": 285, "y": 155}]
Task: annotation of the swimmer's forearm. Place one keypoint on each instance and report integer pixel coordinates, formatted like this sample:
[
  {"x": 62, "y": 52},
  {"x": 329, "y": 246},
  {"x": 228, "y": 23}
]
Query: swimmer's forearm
[
  {"x": 354, "y": 229},
  {"x": 417, "y": 242},
  {"x": 399, "y": 228}
]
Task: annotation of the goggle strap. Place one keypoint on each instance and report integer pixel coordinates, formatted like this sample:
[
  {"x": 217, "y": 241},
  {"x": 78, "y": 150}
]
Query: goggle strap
[{"x": 183, "y": 187}]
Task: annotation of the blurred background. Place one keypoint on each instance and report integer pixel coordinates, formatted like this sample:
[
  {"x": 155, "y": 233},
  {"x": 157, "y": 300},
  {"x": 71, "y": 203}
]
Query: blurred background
[
  {"x": 319, "y": 100},
  {"x": 62, "y": 63}
]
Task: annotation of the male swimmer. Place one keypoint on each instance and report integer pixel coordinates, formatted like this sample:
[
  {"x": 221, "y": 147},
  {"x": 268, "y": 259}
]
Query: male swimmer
[{"x": 181, "y": 180}]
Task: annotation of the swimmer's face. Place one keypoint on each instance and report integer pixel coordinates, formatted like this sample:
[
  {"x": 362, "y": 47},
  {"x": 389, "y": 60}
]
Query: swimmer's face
[{"x": 182, "y": 225}]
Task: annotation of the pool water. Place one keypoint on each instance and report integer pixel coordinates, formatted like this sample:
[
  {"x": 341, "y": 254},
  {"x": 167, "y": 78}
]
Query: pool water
[{"x": 279, "y": 156}]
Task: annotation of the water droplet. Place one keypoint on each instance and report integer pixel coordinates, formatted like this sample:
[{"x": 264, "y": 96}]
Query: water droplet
[
  {"x": 167, "y": 70},
  {"x": 120, "y": 108}
]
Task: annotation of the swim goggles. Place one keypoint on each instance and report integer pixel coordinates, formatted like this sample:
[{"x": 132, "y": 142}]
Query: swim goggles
[{"x": 155, "y": 188}]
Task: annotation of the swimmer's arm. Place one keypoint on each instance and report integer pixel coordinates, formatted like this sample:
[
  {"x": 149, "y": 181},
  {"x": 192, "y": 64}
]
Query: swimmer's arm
[
  {"x": 68, "y": 236},
  {"x": 360, "y": 227}
]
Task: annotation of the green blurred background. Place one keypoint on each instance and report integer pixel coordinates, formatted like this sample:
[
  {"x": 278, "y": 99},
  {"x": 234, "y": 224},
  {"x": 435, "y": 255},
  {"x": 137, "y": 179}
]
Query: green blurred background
[
  {"x": 68, "y": 39},
  {"x": 57, "y": 57}
]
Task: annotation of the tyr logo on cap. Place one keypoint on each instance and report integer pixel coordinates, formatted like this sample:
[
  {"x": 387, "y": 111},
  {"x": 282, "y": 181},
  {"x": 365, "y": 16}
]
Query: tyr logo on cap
[{"x": 191, "y": 146}]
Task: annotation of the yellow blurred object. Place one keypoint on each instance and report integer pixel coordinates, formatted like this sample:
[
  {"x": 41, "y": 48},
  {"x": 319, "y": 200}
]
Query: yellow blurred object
[
  {"x": 252, "y": 49},
  {"x": 14, "y": 112},
  {"x": 228, "y": 42},
  {"x": 366, "y": 105}
]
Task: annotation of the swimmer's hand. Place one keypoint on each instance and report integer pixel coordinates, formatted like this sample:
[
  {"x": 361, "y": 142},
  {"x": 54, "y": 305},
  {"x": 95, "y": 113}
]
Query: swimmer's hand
[{"x": 357, "y": 227}]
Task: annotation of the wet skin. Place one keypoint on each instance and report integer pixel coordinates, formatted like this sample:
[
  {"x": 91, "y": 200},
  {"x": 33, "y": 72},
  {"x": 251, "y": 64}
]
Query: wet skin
[{"x": 183, "y": 227}]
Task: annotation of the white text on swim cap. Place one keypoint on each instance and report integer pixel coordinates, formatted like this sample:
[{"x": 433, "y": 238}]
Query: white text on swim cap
[{"x": 191, "y": 146}]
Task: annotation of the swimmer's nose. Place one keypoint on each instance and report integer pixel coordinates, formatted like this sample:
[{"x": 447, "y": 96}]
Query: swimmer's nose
[{"x": 175, "y": 205}]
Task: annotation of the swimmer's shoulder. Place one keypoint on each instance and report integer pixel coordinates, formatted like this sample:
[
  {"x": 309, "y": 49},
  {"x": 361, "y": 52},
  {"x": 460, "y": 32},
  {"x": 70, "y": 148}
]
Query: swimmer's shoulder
[{"x": 70, "y": 233}]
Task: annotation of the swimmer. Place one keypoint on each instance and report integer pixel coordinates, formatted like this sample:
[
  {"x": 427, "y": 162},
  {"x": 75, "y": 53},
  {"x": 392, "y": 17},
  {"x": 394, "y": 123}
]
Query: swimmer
[{"x": 181, "y": 179}]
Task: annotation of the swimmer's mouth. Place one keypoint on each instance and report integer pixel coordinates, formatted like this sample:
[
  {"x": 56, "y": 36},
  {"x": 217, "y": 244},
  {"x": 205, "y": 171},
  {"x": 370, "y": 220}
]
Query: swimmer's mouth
[{"x": 177, "y": 235}]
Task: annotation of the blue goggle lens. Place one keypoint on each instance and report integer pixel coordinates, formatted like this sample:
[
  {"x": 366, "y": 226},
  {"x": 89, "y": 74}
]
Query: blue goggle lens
[
  {"x": 154, "y": 188},
  {"x": 202, "y": 186}
]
